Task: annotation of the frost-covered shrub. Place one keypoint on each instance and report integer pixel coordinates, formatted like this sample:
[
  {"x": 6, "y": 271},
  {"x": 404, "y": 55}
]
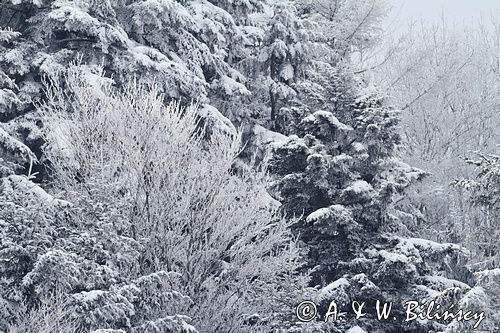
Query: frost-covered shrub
[
  {"x": 52, "y": 315},
  {"x": 182, "y": 200},
  {"x": 53, "y": 267}
]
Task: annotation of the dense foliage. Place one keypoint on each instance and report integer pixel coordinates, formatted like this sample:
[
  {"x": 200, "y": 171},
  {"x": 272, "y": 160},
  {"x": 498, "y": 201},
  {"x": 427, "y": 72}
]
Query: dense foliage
[{"x": 122, "y": 211}]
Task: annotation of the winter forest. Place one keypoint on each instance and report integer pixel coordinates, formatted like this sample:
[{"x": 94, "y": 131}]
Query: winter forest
[{"x": 233, "y": 166}]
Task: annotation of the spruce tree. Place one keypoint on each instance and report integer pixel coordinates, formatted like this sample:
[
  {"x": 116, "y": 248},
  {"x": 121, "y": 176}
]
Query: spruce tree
[{"x": 338, "y": 169}]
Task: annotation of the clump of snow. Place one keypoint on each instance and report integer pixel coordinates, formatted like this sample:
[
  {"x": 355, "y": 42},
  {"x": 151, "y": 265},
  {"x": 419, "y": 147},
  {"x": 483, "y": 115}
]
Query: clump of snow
[
  {"x": 322, "y": 116},
  {"x": 15, "y": 57},
  {"x": 356, "y": 329},
  {"x": 359, "y": 147},
  {"x": 293, "y": 142},
  {"x": 254, "y": 33},
  {"x": 319, "y": 214},
  {"x": 336, "y": 214},
  {"x": 90, "y": 296},
  {"x": 266, "y": 136},
  {"x": 204, "y": 9},
  {"x": 23, "y": 184},
  {"x": 359, "y": 186},
  {"x": 341, "y": 158},
  {"x": 221, "y": 123},
  {"x": 336, "y": 284},
  {"x": 7, "y": 34},
  {"x": 428, "y": 245},
  {"x": 61, "y": 134},
  {"x": 151, "y": 58},
  {"x": 492, "y": 274},
  {"x": 363, "y": 280},
  {"x": 444, "y": 283},
  {"x": 315, "y": 158},
  {"x": 431, "y": 293},
  {"x": 287, "y": 72},
  {"x": 268, "y": 201},
  {"x": 188, "y": 328},
  {"x": 231, "y": 87},
  {"x": 74, "y": 17},
  {"x": 393, "y": 257},
  {"x": 329, "y": 290},
  {"x": 396, "y": 168}
]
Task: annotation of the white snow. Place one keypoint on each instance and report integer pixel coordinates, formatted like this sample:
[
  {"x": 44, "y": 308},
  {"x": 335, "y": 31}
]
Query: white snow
[
  {"x": 338, "y": 208},
  {"x": 268, "y": 201},
  {"x": 393, "y": 257},
  {"x": 94, "y": 77},
  {"x": 329, "y": 117},
  {"x": 254, "y": 32},
  {"x": 337, "y": 283},
  {"x": 339, "y": 211},
  {"x": 430, "y": 292},
  {"x": 411, "y": 173},
  {"x": 221, "y": 123},
  {"x": 188, "y": 328},
  {"x": 231, "y": 87},
  {"x": 319, "y": 214},
  {"x": 341, "y": 158},
  {"x": 279, "y": 48},
  {"x": 444, "y": 283},
  {"x": 314, "y": 156},
  {"x": 429, "y": 245},
  {"x": 265, "y": 136},
  {"x": 23, "y": 184},
  {"x": 206, "y": 9},
  {"x": 359, "y": 147},
  {"x": 91, "y": 296},
  {"x": 326, "y": 292},
  {"x": 476, "y": 297},
  {"x": 359, "y": 186},
  {"x": 74, "y": 17},
  {"x": 7, "y": 34},
  {"x": 151, "y": 58},
  {"x": 356, "y": 329},
  {"x": 287, "y": 72}
]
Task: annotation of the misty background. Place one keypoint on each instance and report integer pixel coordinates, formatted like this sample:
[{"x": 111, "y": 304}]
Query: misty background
[{"x": 407, "y": 12}]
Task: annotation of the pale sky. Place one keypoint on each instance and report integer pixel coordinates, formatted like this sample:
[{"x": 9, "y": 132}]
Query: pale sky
[{"x": 457, "y": 12}]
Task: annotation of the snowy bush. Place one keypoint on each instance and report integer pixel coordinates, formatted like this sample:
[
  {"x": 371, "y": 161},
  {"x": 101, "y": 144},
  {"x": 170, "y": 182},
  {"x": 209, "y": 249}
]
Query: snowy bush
[
  {"x": 181, "y": 201},
  {"x": 49, "y": 262},
  {"x": 52, "y": 315}
]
